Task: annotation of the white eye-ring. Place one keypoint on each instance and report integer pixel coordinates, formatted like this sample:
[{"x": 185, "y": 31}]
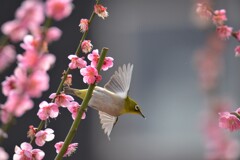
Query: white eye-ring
[{"x": 136, "y": 107}]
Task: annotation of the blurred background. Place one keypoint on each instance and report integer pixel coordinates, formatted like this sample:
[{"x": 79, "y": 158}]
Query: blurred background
[{"x": 161, "y": 38}]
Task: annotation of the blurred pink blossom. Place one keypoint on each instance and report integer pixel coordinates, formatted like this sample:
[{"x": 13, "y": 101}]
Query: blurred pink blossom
[
  {"x": 237, "y": 35},
  {"x": 7, "y": 56},
  {"x": 203, "y": 11},
  {"x": 219, "y": 17},
  {"x": 58, "y": 9},
  {"x": 86, "y": 46},
  {"x": 34, "y": 61},
  {"x": 53, "y": 34},
  {"x": 237, "y": 51},
  {"x": 14, "y": 30},
  {"x": 4, "y": 115},
  {"x": 90, "y": 75},
  {"x": 9, "y": 85},
  {"x": 70, "y": 150},
  {"x": 219, "y": 145},
  {"x": 83, "y": 25},
  {"x": 29, "y": 15},
  {"x": 76, "y": 62},
  {"x": 229, "y": 121},
  {"x": 224, "y": 32},
  {"x": 44, "y": 136},
  {"x": 101, "y": 11},
  {"x": 25, "y": 152},
  {"x": 17, "y": 104},
  {"x": 47, "y": 110},
  {"x": 30, "y": 43},
  {"x": 4, "y": 154},
  {"x": 33, "y": 84},
  {"x": 62, "y": 99},
  {"x": 73, "y": 108}
]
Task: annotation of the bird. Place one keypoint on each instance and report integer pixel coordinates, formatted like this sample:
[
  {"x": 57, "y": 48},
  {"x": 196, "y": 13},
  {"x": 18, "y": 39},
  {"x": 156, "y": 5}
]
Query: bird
[{"x": 112, "y": 100}]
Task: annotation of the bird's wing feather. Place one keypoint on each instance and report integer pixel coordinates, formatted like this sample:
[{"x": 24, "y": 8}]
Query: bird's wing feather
[
  {"x": 107, "y": 122},
  {"x": 120, "y": 81}
]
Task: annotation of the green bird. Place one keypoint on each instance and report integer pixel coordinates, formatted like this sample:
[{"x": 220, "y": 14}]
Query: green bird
[{"x": 111, "y": 101}]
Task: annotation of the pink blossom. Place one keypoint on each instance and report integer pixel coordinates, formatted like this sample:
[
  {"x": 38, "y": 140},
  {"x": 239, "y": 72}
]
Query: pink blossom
[
  {"x": 37, "y": 154},
  {"x": 73, "y": 108},
  {"x": 108, "y": 63},
  {"x": 25, "y": 152},
  {"x": 34, "y": 61},
  {"x": 224, "y": 32},
  {"x": 68, "y": 80},
  {"x": 94, "y": 57},
  {"x": 47, "y": 110},
  {"x": 4, "y": 154},
  {"x": 101, "y": 11},
  {"x": 76, "y": 62},
  {"x": 219, "y": 17},
  {"x": 83, "y": 25},
  {"x": 70, "y": 150},
  {"x": 44, "y": 136},
  {"x": 203, "y": 11},
  {"x": 9, "y": 85},
  {"x": 229, "y": 121},
  {"x": 7, "y": 56},
  {"x": 58, "y": 9},
  {"x": 62, "y": 99},
  {"x": 86, "y": 46},
  {"x": 90, "y": 75},
  {"x": 237, "y": 51},
  {"x": 17, "y": 104}
]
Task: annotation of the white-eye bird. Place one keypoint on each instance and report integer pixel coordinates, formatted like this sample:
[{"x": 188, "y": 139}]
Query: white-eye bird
[{"x": 112, "y": 100}]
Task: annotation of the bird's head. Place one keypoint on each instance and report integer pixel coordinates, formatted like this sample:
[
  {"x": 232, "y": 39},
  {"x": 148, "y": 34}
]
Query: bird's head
[{"x": 131, "y": 106}]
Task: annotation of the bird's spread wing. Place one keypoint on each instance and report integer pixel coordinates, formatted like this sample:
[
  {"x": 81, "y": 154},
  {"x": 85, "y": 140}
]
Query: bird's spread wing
[
  {"x": 107, "y": 122},
  {"x": 120, "y": 81}
]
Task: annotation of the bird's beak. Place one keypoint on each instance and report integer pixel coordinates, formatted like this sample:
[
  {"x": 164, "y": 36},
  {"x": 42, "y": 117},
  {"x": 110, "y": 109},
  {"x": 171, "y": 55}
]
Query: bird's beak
[{"x": 142, "y": 114}]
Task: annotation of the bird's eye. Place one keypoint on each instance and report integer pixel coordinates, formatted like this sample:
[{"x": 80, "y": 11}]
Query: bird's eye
[{"x": 136, "y": 107}]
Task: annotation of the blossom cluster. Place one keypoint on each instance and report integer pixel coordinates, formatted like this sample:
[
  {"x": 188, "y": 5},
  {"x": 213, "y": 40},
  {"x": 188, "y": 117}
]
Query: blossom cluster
[
  {"x": 219, "y": 17},
  {"x": 30, "y": 77}
]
